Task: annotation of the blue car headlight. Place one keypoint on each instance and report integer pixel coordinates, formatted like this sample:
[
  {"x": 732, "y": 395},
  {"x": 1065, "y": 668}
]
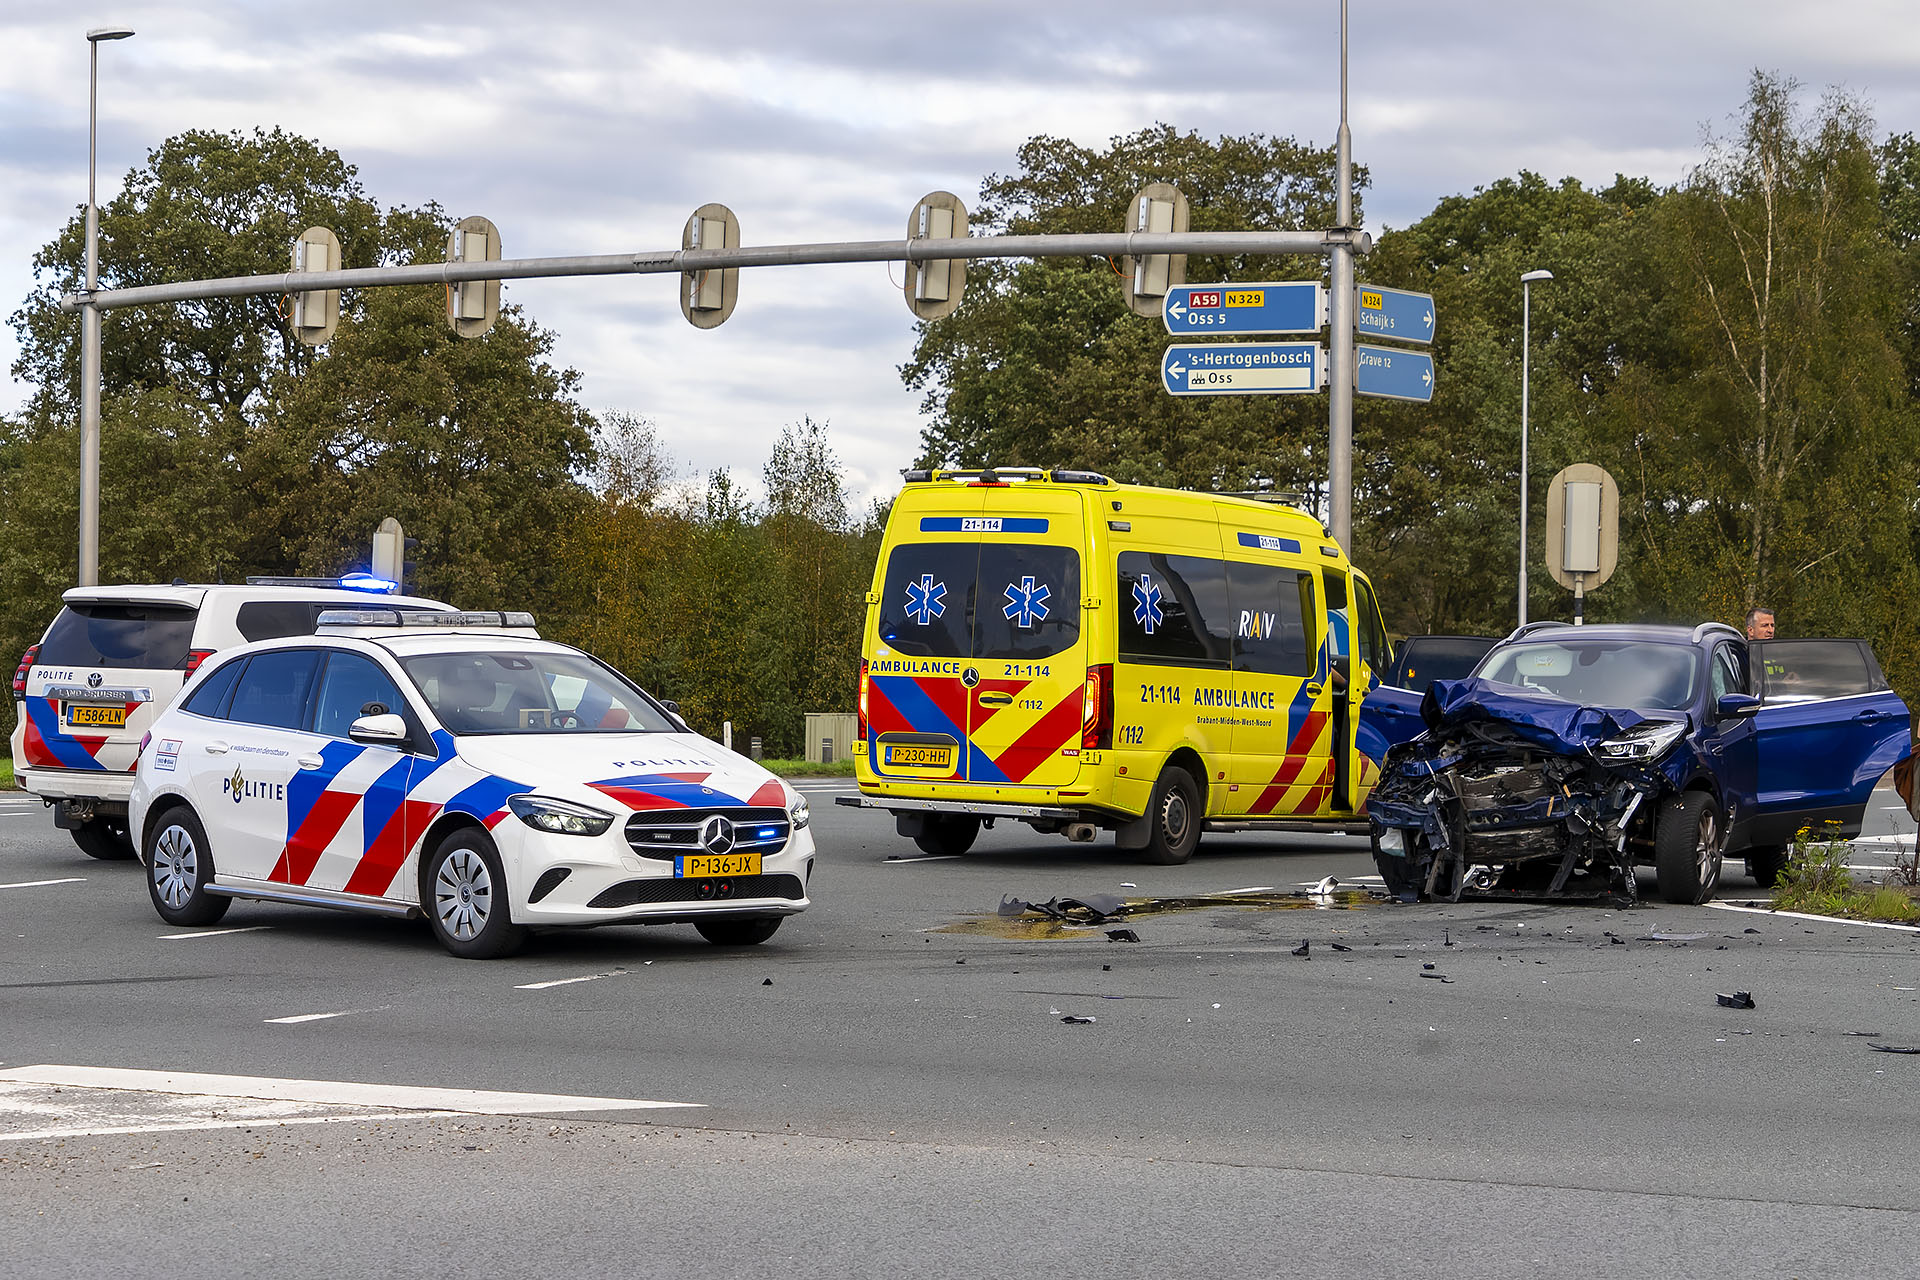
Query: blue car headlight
[
  {"x": 799, "y": 812},
  {"x": 561, "y": 817},
  {"x": 1642, "y": 744}
]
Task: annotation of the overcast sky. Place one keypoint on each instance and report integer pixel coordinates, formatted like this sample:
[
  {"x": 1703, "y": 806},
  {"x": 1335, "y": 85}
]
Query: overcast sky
[{"x": 598, "y": 127}]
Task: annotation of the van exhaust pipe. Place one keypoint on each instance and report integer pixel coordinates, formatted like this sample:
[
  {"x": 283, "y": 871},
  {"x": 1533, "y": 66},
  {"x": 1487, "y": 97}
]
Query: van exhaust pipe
[{"x": 1081, "y": 832}]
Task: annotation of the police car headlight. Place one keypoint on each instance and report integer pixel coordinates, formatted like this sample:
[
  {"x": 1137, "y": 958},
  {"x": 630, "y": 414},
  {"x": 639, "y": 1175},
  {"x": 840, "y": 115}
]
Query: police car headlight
[
  {"x": 1642, "y": 743},
  {"x": 799, "y": 812},
  {"x": 561, "y": 817}
]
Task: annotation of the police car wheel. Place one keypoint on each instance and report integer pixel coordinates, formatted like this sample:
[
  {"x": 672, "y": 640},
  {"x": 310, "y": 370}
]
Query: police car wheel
[
  {"x": 179, "y": 867},
  {"x": 1173, "y": 819},
  {"x": 105, "y": 839},
  {"x": 464, "y": 896},
  {"x": 947, "y": 834},
  {"x": 1686, "y": 848},
  {"x": 738, "y": 933}
]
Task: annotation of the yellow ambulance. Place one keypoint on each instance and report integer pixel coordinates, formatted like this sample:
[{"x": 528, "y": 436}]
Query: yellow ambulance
[{"x": 1055, "y": 648}]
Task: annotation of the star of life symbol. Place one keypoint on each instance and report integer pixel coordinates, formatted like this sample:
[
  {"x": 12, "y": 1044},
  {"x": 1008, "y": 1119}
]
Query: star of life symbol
[
  {"x": 1146, "y": 604},
  {"x": 926, "y": 599},
  {"x": 1026, "y": 603}
]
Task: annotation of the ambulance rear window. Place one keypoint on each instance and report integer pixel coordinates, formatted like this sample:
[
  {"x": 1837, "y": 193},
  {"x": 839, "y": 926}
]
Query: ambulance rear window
[
  {"x": 153, "y": 636},
  {"x": 980, "y": 600}
]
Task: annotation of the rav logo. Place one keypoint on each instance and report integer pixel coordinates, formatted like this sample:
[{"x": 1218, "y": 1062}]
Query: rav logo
[{"x": 238, "y": 788}]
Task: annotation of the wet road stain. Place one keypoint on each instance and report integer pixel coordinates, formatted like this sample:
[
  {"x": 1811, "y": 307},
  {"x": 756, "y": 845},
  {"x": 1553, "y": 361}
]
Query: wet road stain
[{"x": 1036, "y": 928}]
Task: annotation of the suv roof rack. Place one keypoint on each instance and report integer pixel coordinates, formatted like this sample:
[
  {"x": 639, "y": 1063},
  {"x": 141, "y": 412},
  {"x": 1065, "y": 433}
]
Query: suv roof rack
[
  {"x": 1706, "y": 629},
  {"x": 1279, "y": 497},
  {"x": 1528, "y": 628},
  {"x": 997, "y": 476}
]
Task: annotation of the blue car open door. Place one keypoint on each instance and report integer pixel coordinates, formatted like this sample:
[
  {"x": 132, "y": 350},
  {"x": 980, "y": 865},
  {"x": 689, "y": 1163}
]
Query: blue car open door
[{"x": 1829, "y": 729}]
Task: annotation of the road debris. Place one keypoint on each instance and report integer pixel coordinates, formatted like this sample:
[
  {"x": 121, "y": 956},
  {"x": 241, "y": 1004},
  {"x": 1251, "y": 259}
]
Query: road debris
[
  {"x": 1302, "y": 949},
  {"x": 1122, "y": 935},
  {"x": 1437, "y": 977},
  {"x": 1673, "y": 937},
  {"x": 1096, "y": 908},
  {"x": 1894, "y": 1048},
  {"x": 1735, "y": 999},
  {"x": 1078, "y": 1020},
  {"x": 1341, "y": 946}
]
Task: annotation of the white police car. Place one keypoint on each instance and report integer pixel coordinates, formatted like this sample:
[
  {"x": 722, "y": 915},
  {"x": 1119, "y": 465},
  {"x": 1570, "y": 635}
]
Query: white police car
[{"x": 457, "y": 766}]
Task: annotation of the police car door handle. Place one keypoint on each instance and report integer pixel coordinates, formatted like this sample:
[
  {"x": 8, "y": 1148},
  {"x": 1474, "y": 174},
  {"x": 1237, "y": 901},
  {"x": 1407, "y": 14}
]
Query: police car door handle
[
  {"x": 216, "y": 748},
  {"x": 310, "y": 762}
]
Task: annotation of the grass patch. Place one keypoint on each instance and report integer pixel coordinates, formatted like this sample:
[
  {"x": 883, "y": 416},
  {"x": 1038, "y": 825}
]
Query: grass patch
[
  {"x": 1817, "y": 881},
  {"x": 808, "y": 768},
  {"x": 6, "y": 775}
]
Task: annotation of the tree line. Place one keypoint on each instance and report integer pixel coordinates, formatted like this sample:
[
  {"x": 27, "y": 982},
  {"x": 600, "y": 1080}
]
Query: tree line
[{"x": 1740, "y": 349}]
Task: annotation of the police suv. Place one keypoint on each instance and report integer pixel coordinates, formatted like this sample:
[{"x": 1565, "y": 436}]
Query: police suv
[
  {"x": 457, "y": 766},
  {"x": 113, "y": 657}
]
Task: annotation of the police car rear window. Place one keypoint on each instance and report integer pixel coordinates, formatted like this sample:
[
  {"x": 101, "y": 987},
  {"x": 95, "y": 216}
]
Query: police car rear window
[
  {"x": 974, "y": 600},
  {"x": 153, "y": 636}
]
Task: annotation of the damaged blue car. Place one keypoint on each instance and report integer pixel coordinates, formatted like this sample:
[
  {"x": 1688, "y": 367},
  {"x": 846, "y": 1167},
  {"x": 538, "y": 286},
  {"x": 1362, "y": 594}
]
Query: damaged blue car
[{"x": 1573, "y": 757}]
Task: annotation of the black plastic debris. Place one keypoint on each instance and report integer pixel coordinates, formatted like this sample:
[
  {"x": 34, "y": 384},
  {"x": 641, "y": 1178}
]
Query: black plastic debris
[
  {"x": 1894, "y": 1048},
  {"x": 1446, "y": 938},
  {"x": 1078, "y": 1020},
  {"x": 1616, "y": 940},
  {"x": 1122, "y": 935},
  {"x": 1425, "y": 965},
  {"x": 1437, "y": 977},
  {"x": 1735, "y": 999},
  {"x": 1303, "y": 948},
  {"x": 1749, "y": 931},
  {"x": 1096, "y": 908},
  {"x": 959, "y": 961},
  {"x": 1341, "y": 946},
  {"x": 766, "y": 982},
  {"x": 1106, "y": 968}
]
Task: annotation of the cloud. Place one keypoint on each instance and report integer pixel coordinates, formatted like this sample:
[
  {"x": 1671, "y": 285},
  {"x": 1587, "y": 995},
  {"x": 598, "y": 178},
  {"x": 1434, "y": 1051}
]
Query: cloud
[{"x": 598, "y": 126}]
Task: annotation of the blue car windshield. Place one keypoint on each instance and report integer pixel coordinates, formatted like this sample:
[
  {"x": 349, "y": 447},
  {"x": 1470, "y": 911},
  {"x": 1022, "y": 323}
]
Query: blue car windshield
[{"x": 1636, "y": 674}]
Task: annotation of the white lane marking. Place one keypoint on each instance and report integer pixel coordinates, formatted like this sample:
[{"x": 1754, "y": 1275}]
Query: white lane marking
[
  {"x": 306, "y": 1017},
  {"x": 212, "y": 933},
  {"x": 34, "y": 884},
  {"x": 86, "y": 1131},
  {"x": 348, "y": 1093},
  {"x": 1801, "y": 915},
  {"x": 906, "y": 862},
  {"x": 559, "y": 982}
]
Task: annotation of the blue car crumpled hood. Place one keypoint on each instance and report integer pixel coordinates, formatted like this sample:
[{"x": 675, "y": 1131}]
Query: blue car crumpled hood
[{"x": 1549, "y": 723}]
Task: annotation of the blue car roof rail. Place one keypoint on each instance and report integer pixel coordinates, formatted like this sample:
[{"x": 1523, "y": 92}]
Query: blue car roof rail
[{"x": 1528, "y": 628}]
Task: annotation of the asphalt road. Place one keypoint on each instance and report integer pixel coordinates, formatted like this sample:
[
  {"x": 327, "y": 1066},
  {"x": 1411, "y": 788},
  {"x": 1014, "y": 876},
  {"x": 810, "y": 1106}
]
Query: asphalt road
[{"x": 888, "y": 1087}]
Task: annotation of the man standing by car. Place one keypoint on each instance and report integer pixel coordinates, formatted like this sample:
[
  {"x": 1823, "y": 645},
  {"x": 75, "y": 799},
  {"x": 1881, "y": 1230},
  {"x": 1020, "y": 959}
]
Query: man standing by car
[{"x": 1759, "y": 624}]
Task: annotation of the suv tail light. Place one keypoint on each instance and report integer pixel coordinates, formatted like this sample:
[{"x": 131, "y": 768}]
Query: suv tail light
[
  {"x": 1096, "y": 714},
  {"x": 195, "y": 657},
  {"x": 33, "y": 651},
  {"x": 862, "y": 733}
]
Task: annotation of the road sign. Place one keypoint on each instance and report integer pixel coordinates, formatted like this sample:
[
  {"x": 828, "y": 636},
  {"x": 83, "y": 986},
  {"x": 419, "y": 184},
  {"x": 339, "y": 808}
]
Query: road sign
[
  {"x": 1393, "y": 313},
  {"x": 1283, "y": 306},
  {"x": 1393, "y": 373},
  {"x": 1157, "y": 208},
  {"x": 1244, "y": 368}
]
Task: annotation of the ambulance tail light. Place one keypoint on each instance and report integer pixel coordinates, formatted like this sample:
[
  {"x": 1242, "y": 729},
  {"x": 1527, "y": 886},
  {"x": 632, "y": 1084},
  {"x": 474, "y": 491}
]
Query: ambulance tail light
[
  {"x": 33, "y": 652},
  {"x": 1096, "y": 709},
  {"x": 195, "y": 657},
  {"x": 861, "y": 733}
]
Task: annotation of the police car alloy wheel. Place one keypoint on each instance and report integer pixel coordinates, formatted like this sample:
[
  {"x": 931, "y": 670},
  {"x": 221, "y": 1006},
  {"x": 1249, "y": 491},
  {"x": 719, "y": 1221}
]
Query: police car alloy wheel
[
  {"x": 465, "y": 899},
  {"x": 179, "y": 867}
]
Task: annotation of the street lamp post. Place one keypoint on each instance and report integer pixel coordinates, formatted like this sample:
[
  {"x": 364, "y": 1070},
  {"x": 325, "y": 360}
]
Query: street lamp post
[
  {"x": 89, "y": 567},
  {"x": 1526, "y": 336}
]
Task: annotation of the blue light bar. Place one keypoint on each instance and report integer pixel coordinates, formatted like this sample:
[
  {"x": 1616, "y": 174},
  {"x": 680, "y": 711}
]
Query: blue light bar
[{"x": 367, "y": 582}]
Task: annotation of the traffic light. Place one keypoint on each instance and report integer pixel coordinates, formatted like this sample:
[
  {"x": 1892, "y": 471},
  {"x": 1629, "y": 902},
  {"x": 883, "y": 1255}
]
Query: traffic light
[
  {"x": 315, "y": 314},
  {"x": 934, "y": 286},
  {"x": 707, "y": 297},
  {"x": 473, "y": 305},
  {"x": 1158, "y": 207}
]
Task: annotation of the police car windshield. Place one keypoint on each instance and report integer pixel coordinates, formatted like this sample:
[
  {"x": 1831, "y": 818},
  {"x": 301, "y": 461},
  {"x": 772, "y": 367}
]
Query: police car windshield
[
  {"x": 1639, "y": 675},
  {"x": 531, "y": 692}
]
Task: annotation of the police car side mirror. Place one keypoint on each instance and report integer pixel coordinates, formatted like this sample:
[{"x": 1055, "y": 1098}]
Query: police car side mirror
[
  {"x": 384, "y": 730},
  {"x": 1735, "y": 704}
]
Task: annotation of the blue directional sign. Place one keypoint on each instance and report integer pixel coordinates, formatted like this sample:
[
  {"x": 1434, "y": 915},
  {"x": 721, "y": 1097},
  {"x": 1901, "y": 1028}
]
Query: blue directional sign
[
  {"x": 1393, "y": 313},
  {"x": 1283, "y": 306},
  {"x": 1393, "y": 372},
  {"x": 1243, "y": 368}
]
